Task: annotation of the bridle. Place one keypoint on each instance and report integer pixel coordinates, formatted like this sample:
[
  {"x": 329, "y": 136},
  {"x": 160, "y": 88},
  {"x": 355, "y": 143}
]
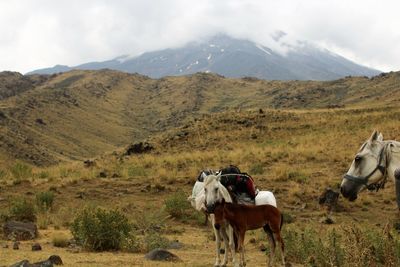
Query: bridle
[{"x": 363, "y": 180}]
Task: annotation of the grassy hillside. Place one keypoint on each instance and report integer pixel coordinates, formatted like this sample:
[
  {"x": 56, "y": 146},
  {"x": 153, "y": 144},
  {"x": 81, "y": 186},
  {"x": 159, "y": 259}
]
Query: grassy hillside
[
  {"x": 80, "y": 114},
  {"x": 294, "y": 153}
]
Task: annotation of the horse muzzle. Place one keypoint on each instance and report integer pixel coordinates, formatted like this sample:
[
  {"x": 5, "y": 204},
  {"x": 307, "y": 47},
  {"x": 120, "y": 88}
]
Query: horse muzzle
[
  {"x": 210, "y": 208},
  {"x": 348, "y": 192}
]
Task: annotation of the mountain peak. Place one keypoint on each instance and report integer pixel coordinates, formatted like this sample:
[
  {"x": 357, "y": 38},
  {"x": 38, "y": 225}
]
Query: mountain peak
[{"x": 233, "y": 57}]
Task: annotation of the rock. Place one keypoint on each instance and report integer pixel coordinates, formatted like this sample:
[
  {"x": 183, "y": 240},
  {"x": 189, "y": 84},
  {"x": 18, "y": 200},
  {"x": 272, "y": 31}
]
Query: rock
[
  {"x": 16, "y": 245},
  {"x": 36, "y": 247},
  {"x": 53, "y": 259},
  {"x": 252, "y": 240},
  {"x": 20, "y": 230},
  {"x": 24, "y": 263},
  {"x": 327, "y": 220},
  {"x": 103, "y": 174},
  {"x": 262, "y": 247},
  {"x": 161, "y": 255},
  {"x": 89, "y": 163},
  {"x": 138, "y": 148}
]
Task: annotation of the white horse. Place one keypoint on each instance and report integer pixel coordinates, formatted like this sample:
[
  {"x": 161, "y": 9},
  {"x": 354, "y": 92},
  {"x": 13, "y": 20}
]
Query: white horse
[
  {"x": 214, "y": 193},
  {"x": 374, "y": 163}
]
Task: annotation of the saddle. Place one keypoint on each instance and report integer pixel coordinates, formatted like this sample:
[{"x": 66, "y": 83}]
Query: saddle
[{"x": 240, "y": 185}]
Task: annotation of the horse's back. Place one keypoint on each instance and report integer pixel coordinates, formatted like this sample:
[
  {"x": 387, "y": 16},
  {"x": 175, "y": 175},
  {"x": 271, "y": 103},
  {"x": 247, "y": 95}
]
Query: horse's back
[{"x": 265, "y": 197}]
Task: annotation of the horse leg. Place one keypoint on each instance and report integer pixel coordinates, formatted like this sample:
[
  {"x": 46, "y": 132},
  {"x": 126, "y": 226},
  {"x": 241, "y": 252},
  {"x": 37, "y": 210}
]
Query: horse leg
[
  {"x": 217, "y": 241},
  {"x": 226, "y": 238},
  {"x": 241, "y": 235},
  {"x": 280, "y": 240},
  {"x": 272, "y": 244},
  {"x": 232, "y": 233}
]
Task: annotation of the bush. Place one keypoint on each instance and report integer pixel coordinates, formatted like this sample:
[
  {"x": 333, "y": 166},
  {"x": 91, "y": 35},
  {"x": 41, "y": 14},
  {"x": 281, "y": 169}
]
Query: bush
[
  {"x": 60, "y": 241},
  {"x": 21, "y": 171},
  {"x": 155, "y": 240},
  {"x": 100, "y": 230},
  {"x": 44, "y": 200},
  {"x": 23, "y": 210},
  {"x": 43, "y": 174},
  {"x": 177, "y": 206}
]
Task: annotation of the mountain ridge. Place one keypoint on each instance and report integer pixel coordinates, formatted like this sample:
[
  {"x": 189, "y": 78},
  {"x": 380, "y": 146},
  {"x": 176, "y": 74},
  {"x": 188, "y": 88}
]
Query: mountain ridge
[
  {"x": 233, "y": 58},
  {"x": 80, "y": 114}
]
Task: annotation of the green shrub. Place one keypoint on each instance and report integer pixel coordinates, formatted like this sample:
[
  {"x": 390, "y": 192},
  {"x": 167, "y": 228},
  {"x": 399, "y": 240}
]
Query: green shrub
[
  {"x": 23, "y": 210},
  {"x": 177, "y": 205},
  {"x": 155, "y": 240},
  {"x": 44, "y": 200},
  {"x": 100, "y": 230},
  {"x": 21, "y": 171}
]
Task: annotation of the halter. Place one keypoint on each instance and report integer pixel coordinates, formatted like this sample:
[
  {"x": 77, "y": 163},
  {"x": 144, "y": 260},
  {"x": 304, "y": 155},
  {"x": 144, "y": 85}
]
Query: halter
[{"x": 364, "y": 180}]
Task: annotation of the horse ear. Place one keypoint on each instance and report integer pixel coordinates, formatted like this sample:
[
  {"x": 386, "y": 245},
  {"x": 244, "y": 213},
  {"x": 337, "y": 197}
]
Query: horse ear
[
  {"x": 380, "y": 137},
  {"x": 219, "y": 177},
  {"x": 374, "y": 136}
]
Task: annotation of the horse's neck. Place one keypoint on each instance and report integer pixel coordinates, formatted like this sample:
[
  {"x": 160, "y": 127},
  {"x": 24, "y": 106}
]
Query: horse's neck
[{"x": 394, "y": 159}]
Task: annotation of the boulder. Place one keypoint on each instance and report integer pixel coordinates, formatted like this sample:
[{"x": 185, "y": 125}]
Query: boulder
[
  {"x": 161, "y": 255},
  {"x": 138, "y": 148},
  {"x": 20, "y": 230},
  {"x": 50, "y": 262},
  {"x": 36, "y": 247}
]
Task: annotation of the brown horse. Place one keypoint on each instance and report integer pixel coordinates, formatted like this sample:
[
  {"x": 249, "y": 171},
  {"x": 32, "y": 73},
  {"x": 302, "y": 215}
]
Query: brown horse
[{"x": 245, "y": 217}]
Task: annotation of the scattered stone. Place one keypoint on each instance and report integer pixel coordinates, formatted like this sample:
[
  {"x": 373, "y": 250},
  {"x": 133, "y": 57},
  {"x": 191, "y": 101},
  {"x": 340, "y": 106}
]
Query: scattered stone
[
  {"x": 159, "y": 188},
  {"x": 252, "y": 240},
  {"x": 53, "y": 259},
  {"x": 253, "y": 136},
  {"x": 262, "y": 247},
  {"x": 16, "y": 245},
  {"x": 5, "y": 245},
  {"x": 89, "y": 163},
  {"x": 36, "y": 247},
  {"x": 327, "y": 220},
  {"x": 20, "y": 230},
  {"x": 103, "y": 174},
  {"x": 138, "y": 148},
  {"x": 161, "y": 255},
  {"x": 40, "y": 121}
]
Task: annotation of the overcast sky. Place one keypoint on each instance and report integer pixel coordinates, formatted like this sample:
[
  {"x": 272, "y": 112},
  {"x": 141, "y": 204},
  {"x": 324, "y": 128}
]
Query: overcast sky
[{"x": 41, "y": 33}]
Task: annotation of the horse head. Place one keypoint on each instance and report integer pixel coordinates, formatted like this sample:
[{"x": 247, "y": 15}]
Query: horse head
[
  {"x": 219, "y": 214},
  {"x": 368, "y": 169},
  {"x": 214, "y": 192}
]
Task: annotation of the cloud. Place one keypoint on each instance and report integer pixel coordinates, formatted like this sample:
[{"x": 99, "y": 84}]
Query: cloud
[{"x": 42, "y": 33}]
